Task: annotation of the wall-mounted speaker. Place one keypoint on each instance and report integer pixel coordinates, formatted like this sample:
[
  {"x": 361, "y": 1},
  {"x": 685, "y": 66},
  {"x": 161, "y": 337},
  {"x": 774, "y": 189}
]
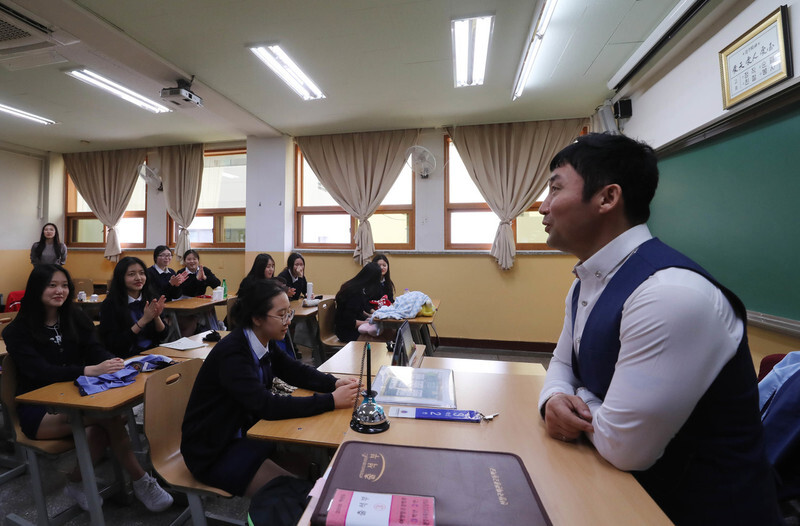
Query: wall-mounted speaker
[{"x": 623, "y": 109}]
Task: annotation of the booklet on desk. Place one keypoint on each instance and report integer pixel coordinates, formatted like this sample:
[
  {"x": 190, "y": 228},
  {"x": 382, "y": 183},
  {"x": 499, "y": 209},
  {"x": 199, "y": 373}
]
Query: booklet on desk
[{"x": 468, "y": 487}]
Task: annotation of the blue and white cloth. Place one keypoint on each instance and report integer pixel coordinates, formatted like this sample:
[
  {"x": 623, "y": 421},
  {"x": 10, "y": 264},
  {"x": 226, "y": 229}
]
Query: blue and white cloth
[
  {"x": 405, "y": 306},
  {"x": 89, "y": 385}
]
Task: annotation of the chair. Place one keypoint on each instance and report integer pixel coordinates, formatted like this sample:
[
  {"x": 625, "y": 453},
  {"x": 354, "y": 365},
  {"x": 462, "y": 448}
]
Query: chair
[
  {"x": 328, "y": 341},
  {"x": 14, "y": 300},
  {"x": 84, "y": 284},
  {"x": 31, "y": 449},
  {"x": 229, "y": 323},
  {"x": 5, "y": 319},
  {"x": 166, "y": 395}
]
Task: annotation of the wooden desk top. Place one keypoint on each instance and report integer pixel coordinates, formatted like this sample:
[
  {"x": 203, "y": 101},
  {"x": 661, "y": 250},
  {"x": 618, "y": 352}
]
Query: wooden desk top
[
  {"x": 194, "y": 304},
  {"x": 304, "y": 312},
  {"x": 348, "y": 359},
  {"x": 468, "y": 365},
  {"x": 65, "y": 394},
  {"x": 200, "y": 352},
  {"x": 420, "y": 320},
  {"x": 3, "y": 351}
]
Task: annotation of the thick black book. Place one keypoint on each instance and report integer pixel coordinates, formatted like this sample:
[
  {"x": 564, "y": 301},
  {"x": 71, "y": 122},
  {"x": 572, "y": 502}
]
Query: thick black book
[{"x": 469, "y": 487}]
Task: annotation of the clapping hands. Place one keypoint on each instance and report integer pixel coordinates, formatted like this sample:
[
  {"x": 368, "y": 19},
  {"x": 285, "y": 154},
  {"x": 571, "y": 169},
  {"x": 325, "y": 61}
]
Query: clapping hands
[{"x": 179, "y": 278}]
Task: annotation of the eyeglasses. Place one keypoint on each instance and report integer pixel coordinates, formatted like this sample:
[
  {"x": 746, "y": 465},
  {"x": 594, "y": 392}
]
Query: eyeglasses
[
  {"x": 165, "y": 255},
  {"x": 286, "y": 318}
]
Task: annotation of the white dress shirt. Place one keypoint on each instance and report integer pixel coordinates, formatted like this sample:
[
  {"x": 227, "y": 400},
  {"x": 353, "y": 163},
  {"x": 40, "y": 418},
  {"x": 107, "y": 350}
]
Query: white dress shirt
[{"x": 677, "y": 332}]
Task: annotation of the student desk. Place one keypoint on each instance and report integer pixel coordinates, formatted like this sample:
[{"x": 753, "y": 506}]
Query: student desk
[
  {"x": 199, "y": 352},
  {"x": 419, "y": 327},
  {"x": 483, "y": 366},
  {"x": 91, "y": 308},
  {"x": 308, "y": 315},
  {"x": 188, "y": 306},
  {"x": 348, "y": 359},
  {"x": 576, "y": 485},
  {"x": 65, "y": 398}
]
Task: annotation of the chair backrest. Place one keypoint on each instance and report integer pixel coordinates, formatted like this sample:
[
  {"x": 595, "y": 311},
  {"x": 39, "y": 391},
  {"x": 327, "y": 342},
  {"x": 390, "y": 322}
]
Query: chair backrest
[
  {"x": 8, "y": 393},
  {"x": 5, "y": 319},
  {"x": 326, "y": 314},
  {"x": 14, "y": 299},
  {"x": 84, "y": 284},
  {"x": 231, "y": 322},
  {"x": 166, "y": 395}
]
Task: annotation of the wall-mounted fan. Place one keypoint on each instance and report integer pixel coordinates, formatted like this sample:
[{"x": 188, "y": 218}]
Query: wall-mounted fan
[
  {"x": 421, "y": 160},
  {"x": 151, "y": 177}
]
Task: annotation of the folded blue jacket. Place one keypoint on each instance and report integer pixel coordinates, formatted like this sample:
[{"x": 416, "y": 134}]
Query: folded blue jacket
[{"x": 88, "y": 385}]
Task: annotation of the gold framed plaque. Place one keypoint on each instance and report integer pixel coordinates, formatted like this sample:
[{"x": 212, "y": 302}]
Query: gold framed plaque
[{"x": 758, "y": 59}]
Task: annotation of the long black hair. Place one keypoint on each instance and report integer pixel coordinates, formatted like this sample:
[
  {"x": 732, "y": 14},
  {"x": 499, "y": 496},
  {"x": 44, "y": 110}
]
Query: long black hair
[
  {"x": 294, "y": 256},
  {"x": 43, "y": 242},
  {"x": 387, "y": 278},
  {"x": 31, "y": 311},
  {"x": 118, "y": 292},
  {"x": 367, "y": 281},
  {"x": 260, "y": 266},
  {"x": 255, "y": 299}
]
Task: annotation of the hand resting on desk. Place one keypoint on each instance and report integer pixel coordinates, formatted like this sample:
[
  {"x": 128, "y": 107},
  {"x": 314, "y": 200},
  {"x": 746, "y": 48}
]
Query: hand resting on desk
[
  {"x": 346, "y": 393},
  {"x": 109, "y": 366},
  {"x": 567, "y": 416}
]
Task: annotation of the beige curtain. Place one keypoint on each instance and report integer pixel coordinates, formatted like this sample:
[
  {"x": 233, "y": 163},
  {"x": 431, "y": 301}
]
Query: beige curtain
[
  {"x": 509, "y": 163},
  {"x": 106, "y": 181},
  {"x": 358, "y": 170},
  {"x": 182, "y": 175}
]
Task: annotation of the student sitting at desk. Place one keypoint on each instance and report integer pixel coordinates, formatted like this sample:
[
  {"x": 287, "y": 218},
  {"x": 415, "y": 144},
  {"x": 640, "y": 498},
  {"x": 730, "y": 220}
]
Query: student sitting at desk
[
  {"x": 387, "y": 285},
  {"x": 294, "y": 275},
  {"x": 263, "y": 267},
  {"x": 51, "y": 340},
  {"x": 232, "y": 392},
  {"x": 198, "y": 277},
  {"x": 130, "y": 316},
  {"x": 353, "y": 302},
  {"x": 163, "y": 280}
]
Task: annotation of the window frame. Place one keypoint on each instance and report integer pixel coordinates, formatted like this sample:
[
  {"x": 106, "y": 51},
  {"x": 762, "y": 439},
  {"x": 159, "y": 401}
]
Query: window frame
[
  {"x": 217, "y": 213},
  {"x": 301, "y": 211},
  {"x": 449, "y": 208},
  {"x": 71, "y": 203}
]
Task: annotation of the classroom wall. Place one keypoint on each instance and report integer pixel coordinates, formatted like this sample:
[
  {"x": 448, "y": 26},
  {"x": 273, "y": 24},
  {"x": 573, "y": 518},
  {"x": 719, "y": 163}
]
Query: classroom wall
[{"x": 684, "y": 92}]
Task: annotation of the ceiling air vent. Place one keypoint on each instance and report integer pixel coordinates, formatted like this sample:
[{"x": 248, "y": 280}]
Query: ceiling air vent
[{"x": 22, "y": 34}]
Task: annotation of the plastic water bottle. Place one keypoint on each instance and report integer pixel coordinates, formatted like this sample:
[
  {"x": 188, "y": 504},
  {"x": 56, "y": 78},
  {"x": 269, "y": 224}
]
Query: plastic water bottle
[
  {"x": 406, "y": 292},
  {"x": 224, "y": 289}
]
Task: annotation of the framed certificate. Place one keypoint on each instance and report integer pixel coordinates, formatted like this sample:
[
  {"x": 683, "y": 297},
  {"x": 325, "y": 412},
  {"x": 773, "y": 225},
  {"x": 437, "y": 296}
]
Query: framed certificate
[{"x": 756, "y": 60}]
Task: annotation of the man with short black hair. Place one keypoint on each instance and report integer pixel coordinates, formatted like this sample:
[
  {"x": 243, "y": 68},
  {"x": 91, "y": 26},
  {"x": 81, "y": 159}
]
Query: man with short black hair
[{"x": 652, "y": 364}]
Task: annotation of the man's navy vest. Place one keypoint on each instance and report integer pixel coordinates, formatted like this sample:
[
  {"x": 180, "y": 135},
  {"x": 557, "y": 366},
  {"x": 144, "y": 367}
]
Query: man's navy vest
[{"x": 714, "y": 470}]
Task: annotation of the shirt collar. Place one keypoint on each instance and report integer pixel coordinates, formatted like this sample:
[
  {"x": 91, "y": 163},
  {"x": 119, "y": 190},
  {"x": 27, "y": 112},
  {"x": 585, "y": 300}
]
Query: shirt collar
[
  {"x": 158, "y": 269},
  {"x": 131, "y": 299},
  {"x": 613, "y": 254},
  {"x": 259, "y": 349}
]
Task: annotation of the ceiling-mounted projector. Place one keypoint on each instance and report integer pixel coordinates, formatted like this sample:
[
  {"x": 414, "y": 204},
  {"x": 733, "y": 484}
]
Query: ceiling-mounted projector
[{"x": 181, "y": 97}]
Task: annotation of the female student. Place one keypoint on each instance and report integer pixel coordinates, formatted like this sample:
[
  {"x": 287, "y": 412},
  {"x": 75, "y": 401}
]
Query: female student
[
  {"x": 352, "y": 301},
  {"x": 387, "y": 285},
  {"x": 294, "y": 275},
  {"x": 51, "y": 340},
  {"x": 263, "y": 267},
  {"x": 232, "y": 392},
  {"x": 130, "y": 316},
  {"x": 49, "y": 248},
  {"x": 163, "y": 280},
  {"x": 198, "y": 277}
]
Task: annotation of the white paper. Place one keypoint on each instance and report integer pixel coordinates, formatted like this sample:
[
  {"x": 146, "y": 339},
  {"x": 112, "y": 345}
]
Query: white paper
[{"x": 184, "y": 344}]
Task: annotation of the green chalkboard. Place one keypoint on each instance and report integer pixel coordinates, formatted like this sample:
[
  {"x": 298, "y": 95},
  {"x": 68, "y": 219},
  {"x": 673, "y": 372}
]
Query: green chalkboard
[{"x": 732, "y": 204}]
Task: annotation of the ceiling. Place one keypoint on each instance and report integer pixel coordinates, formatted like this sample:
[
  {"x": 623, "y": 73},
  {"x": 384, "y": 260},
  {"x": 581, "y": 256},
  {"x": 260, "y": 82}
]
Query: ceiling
[{"x": 383, "y": 64}]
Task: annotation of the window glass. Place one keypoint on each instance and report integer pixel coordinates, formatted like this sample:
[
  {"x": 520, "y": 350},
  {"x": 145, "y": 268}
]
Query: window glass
[
  {"x": 473, "y": 227},
  {"x": 130, "y": 230},
  {"x": 400, "y": 194},
  {"x": 326, "y": 228},
  {"x": 461, "y": 188},
  {"x": 86, "y": 231},
  {"x": 390, "y": 228},
  {"x": 137, "y": 203},
  {"x": 233, "y": 229},
  {"x": 530, "y": 228},
  {"x": 224, "y": 181},
  {"x": 202, "y": 230},
  {"x": 314, "y": 194}
]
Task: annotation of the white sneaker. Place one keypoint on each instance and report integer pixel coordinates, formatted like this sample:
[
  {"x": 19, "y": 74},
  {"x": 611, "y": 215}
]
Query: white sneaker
[
  {"x": 74, "y": 490},
  {"x": 151, "y": 494}
]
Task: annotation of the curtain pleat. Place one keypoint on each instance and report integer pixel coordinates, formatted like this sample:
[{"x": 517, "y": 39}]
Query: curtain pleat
[{"x": 182, "y": 174}]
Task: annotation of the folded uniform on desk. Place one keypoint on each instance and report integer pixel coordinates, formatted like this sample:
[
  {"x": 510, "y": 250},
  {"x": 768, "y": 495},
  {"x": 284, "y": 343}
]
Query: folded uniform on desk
[{"x": 88, "y": 385}]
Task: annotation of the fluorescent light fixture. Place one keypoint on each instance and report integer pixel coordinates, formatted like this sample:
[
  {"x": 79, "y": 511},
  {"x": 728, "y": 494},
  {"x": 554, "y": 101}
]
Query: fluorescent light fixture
[
  {"x": 90, "y": 77},
  {"x": 25, "y": 115},
  {"x": 471, "y": 37},
  {"x": 278, "y": 61},
  {"x": 535, "y": 37}
]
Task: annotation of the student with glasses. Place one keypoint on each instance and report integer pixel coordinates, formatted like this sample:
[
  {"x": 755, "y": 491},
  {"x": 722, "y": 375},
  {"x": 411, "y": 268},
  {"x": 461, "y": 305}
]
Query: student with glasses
[
  {"x": 233, "y": 391},
  {"x": 162, "y": 279}
]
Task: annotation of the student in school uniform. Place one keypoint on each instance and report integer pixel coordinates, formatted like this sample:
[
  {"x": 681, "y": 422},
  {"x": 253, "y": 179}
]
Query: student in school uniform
[
  {"x": 162, "y": 279},
  {"x": 130, "y": 316},
  {"x": 387, "y": 285},
  {"x": 198, "y": 277},
  {"x": 294, "y": 275},
  {"x": 49, "y": 248},
  {"x": 263, "y": 267},
  {"x": 52, "y": 340},
  {"x": 652, "y": 365},
  {"x": 232, "y": 392},
  {"x": 353, "y": 302}
]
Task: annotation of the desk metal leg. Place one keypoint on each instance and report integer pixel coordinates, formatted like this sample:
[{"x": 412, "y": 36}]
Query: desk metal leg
[
  {"x": 426, "y": 338},
  {"x": 87, "y": 469},
  {"x": 174, "y": 330}
]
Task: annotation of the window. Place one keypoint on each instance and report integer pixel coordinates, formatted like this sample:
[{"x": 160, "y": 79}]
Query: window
[
  {"x": 469, "y": 222},
  {"x": 220, "y": 218},
  {"x": 85, "y": 230},
  {"x": 321, "y": 223}
]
